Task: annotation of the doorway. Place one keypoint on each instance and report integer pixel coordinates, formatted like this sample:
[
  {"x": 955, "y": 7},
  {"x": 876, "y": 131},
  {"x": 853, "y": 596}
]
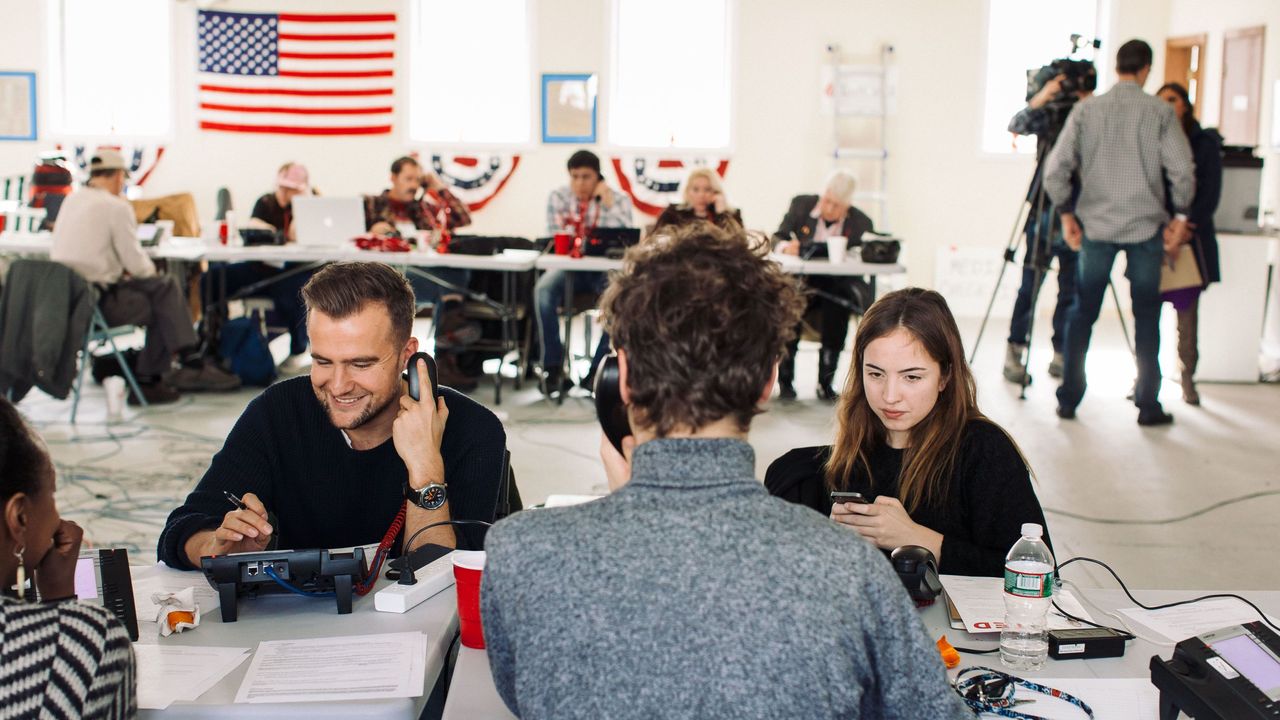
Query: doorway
[{"x": 1184, "y": 64}]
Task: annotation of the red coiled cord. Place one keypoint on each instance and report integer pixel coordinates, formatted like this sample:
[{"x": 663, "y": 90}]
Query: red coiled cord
[{"x": 384, "y": 549}]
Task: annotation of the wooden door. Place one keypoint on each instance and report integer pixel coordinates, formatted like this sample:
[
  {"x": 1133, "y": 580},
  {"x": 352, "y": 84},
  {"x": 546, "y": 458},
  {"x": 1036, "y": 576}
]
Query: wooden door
[
  {"x": 1184, "y": 64},
  {"x": 1241, "y": 86}
]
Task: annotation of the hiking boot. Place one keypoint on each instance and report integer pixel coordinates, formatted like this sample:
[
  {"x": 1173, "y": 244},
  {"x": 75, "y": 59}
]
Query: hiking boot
[
  {"x": 1013, "y": 370},
  {"x": 448, "y": 373},
  {"x": 206, "y": 378},
  {"x": 786, "y": 390},
  {"x": 156, "y": 393},
  {"x": 453, "y": 329},
  {"x": 1055, "y": 366},
  {"x": 1154, "y": 416}
]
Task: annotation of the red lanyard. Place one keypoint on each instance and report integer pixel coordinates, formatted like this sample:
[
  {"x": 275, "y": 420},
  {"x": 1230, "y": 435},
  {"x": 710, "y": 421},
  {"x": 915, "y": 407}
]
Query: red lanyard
[{"x": 584, "y": 224}]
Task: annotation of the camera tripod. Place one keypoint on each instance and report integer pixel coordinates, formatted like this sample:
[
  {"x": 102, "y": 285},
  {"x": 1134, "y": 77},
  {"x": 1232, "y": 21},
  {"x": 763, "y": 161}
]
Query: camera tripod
[{"x": 1039, "y": 250}]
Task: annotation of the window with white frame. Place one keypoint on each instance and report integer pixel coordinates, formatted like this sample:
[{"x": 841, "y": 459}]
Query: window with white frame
[
  {"x": 1022, "y": 36},
  {"x": 110, "y": 68},
  {"x": 469, "y": 72},
  {"x": 672, "y": 74}
]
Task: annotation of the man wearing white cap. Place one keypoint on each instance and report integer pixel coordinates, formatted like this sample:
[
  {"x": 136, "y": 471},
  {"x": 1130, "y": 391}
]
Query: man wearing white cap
[{"x": 96, "y": 235}]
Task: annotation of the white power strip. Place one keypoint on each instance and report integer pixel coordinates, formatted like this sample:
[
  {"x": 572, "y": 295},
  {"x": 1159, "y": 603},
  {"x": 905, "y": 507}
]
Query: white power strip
[{"x": 432, "y": 578}]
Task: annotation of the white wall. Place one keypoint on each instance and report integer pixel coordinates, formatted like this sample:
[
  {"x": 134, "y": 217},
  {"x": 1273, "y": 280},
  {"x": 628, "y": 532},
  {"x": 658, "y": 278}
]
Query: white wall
[
  {"x": 943, "y": 190},
  {"x": 1192, "y": 17}
]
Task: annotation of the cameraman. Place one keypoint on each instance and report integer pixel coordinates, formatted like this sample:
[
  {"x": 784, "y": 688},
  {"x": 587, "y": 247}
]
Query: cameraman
[{"x": 1043, "y": 117}]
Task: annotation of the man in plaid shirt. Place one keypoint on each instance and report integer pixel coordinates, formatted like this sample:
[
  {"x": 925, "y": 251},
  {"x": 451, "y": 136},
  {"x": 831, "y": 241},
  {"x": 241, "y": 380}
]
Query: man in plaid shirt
[{"x": 1124, "y": 144}]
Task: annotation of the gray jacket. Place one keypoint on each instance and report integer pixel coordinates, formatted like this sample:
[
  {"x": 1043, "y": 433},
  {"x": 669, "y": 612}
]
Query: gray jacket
[
  {"x": 690, "y": 593},
  {"x": 44, "y": 314}
]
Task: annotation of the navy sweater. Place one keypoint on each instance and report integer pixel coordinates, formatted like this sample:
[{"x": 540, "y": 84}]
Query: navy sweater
[{"x": 325, "y": 494}]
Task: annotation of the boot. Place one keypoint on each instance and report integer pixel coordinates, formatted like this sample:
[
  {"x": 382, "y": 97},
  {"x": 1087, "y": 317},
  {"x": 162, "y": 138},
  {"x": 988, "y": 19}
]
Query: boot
[
  {"x": 448, "y": 373},
  {"x": 1055, "y": 365},
  {"x": 1013, "y": 370},
  {"x": 1188, "y": 353},
  {"x": 787, "y": 378},
  {"x": 827, "y": 361},
  {"x": 453, "y": 329}
]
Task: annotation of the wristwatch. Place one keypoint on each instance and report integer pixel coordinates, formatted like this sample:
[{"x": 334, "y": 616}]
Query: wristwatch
[{"x": 431, "y": 497}]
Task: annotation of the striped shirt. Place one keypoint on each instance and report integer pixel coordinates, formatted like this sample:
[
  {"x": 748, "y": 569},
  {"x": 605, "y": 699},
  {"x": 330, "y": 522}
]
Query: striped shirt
[
  {"x": 1123, "y": 143},
  {"x": 64, "y": 660}
]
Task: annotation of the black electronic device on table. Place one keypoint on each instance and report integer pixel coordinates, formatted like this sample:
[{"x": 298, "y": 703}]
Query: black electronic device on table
[
  {"x": 609, "y": 408},
  {"x": 918, "y": 571},
  {"x": 609, "y": 242},
  {"x": 102, "y": 578},
  {"x": 1228, "y": 674},
  {"x": 415, "y": 383},
  {"x": 302, "y": 572},
  {"x": 261, "y": 236}
]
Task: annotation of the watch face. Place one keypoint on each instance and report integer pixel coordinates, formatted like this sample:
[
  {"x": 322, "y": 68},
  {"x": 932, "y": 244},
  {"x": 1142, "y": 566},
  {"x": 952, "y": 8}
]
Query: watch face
[{"x": 433, "y": 497}]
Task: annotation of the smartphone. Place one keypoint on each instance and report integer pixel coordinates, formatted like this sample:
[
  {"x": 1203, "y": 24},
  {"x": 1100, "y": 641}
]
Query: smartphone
[{"x": 853, "y": 497}]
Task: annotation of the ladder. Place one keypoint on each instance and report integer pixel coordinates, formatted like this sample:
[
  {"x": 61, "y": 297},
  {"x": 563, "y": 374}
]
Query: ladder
[{"x": 873, "y": 107}]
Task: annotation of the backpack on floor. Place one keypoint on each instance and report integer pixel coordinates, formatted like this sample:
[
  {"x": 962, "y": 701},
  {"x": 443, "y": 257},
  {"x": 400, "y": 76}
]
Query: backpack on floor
[{"x": 243, "y": 344}]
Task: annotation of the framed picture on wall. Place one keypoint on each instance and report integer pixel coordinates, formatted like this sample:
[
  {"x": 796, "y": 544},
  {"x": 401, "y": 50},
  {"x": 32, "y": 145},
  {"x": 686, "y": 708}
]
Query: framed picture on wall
[
  {"x": 569, "y": 108},
  {"x": 17, "y": 105}
]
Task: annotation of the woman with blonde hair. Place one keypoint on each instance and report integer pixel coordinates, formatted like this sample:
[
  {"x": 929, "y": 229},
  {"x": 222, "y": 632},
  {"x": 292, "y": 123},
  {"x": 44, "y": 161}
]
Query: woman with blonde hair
[
  {"x": 935, "y": 471},
  {"x": 704, "y": 200}
]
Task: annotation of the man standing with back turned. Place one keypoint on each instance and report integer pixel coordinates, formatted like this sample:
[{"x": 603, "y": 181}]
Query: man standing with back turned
[
  {"x": 690, "y": 592},
  {"x": 1124, "y": 143}
]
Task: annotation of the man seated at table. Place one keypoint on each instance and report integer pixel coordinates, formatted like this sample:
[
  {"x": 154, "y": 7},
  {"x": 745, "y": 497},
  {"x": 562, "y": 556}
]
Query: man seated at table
[
  {"x": 689, "y": 591},
  {"x": 274, "y": 211},
  {"x": 97, "y": 236},
  {"x": 586, "y": 203},
  {"x": 809, "y": 221},
  {"x": 337, "y": 455},
  {"x": 402, "y": 210}
]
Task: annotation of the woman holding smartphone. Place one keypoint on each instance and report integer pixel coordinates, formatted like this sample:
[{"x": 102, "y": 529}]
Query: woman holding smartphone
[
  {"x": 932, "y": 470},
  {"x": 62, "y": 658}
]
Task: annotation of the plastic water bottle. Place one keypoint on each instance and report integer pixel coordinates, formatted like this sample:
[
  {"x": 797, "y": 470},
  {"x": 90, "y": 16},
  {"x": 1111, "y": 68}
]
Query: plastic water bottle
[{"x": 1028, "y": 594}]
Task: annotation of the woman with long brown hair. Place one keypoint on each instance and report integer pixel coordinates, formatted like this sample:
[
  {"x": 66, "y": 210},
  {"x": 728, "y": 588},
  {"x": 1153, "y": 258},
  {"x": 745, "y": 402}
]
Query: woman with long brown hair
[{"x": 936, "y": 472}]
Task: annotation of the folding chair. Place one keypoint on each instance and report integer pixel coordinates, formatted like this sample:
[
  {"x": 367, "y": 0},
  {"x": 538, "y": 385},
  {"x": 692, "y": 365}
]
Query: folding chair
[{"x": 102, "y": 333}]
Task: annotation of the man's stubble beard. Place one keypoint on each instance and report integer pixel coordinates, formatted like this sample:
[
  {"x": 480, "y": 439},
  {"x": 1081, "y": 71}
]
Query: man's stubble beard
[{"x": 361, "y": 419}]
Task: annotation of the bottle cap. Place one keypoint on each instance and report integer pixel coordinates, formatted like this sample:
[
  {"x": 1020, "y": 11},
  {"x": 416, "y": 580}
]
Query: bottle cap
[{"x": 1032, "y": 530}]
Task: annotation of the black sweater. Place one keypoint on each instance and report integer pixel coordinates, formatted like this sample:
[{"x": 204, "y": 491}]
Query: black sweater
[
  {"x": 981, "y": 518},
  {"x": 325, "y": 494}
]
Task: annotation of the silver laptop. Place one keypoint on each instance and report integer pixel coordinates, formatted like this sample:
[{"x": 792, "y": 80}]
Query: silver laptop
[{"x": 327, "y": 221}]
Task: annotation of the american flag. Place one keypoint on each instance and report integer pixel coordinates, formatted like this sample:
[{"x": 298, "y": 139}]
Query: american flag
[{"x": 296, "y": 74}]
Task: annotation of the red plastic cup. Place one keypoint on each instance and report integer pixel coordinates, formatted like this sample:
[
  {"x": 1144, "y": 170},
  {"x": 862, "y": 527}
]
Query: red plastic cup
[
  {"x": 563, "y": 241},
  {"x": 468, "y": 569}
]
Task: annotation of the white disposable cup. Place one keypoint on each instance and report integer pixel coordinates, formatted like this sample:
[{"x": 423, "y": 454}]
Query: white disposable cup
[
  {"x": 836, "y": 245},
  {"x": 114, "y": 387}
]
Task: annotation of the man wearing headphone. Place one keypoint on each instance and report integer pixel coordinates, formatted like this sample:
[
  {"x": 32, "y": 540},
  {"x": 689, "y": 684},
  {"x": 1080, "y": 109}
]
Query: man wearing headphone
[{"x": 586, "y": 203}]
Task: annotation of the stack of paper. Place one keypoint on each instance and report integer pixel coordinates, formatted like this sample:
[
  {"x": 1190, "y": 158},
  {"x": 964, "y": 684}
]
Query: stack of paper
[
  {"x": 980, "y": 601},
  {"x": 358, "y": 667},
  {"x": 1186, "y": 621},
  {"x": 167, "y": 673}
]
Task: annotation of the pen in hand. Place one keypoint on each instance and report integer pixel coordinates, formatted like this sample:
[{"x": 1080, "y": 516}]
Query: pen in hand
[
  {"x": 235, "y": 500},
  {"x": 271, "y": 518}
]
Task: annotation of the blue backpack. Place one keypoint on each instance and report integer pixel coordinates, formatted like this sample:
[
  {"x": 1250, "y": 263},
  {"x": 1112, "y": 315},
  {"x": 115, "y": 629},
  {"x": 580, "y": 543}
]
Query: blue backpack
[{"x": 244, "y": 344}]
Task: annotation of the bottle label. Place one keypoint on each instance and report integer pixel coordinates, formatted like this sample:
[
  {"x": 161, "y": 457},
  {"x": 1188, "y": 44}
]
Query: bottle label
[{"x": 1031, "y": 585}]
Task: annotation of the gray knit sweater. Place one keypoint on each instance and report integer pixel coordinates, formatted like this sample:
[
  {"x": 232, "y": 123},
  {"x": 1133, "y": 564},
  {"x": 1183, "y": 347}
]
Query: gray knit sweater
[{"x": 693, "y": 593}]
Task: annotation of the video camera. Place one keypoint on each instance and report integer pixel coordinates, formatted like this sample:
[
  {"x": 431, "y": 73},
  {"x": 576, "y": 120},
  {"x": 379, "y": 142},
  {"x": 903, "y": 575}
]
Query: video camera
[{"x": 1077, "y": 75}]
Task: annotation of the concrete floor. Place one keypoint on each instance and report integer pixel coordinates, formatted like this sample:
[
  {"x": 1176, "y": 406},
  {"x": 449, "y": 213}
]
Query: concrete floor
[{"x": 121, "y": 480}]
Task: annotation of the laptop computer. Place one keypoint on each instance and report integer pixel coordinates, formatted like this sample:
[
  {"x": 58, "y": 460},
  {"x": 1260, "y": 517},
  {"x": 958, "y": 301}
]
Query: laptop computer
[
  {"x": 328, "y": 221},
  {"x": 610, "y": 242}
]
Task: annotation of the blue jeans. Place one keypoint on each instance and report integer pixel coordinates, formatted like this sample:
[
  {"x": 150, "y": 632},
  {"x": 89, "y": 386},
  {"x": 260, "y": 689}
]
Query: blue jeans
[
  {"x": 1142, "y": 268},
  {"x": 1020, "y": 326},
  {"x": 550, "y": 296}
]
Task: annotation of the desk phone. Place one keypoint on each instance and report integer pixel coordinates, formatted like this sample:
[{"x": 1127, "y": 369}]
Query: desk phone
[
  {"x": 1228, "y": 674},
  {"x": 102, "y": 578}
]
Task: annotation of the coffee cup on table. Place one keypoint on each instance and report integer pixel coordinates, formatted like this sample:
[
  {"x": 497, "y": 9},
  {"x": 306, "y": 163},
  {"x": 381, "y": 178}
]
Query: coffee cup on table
[{"x": 836, "y": 246}]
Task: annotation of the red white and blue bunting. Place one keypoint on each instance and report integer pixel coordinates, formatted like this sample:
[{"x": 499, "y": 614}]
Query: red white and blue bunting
[
  {"x": 654, "y": 183},
  {"x": 475, "y": 179},
  {"x": 141, "y": 159}
]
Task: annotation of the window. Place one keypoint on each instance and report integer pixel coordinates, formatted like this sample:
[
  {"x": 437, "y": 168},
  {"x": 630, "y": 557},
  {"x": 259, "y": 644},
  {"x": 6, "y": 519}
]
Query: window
[
  {"x": 1024, "y": 35},
  {"x": 110, "y": 67},
  {"x": 672, "y": 74},
  {"x": 469, "y": 74}
]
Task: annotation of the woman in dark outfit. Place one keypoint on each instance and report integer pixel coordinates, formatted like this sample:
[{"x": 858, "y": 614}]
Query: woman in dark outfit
[
  {"x": 911, "y": 439},
  {"x": 704, "y": 200},
  {"x": 1206, "y": 150}
]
